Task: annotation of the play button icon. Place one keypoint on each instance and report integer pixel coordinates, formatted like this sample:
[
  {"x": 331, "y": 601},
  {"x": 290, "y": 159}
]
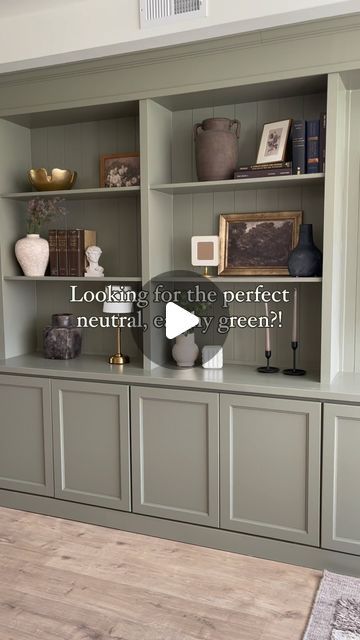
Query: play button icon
[{"x": 178, "y": 320}]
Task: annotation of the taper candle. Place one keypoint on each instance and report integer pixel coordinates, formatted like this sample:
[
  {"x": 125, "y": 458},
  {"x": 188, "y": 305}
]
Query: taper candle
[
  {"x": 267, "y": 330},
  {"x": 295, "y": 314}
]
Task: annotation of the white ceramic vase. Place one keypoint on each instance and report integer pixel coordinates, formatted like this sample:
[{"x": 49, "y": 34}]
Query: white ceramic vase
[
  {"x": 185, "y": 350},
  {"x": 32, "y": 253}
]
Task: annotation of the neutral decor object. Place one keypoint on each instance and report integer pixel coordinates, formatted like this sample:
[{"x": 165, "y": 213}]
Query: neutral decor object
[
  {"x": 185, "y": 350},
  {"x": 267, "y": 368},
  {"x": 257, "y": 244},
  {"x": 273, "y": 142},
  {"x": 120, "y": 305},
  {"x": 32, "y": 253},
  {"x": 93, "y": 270},
  {"x": 294, "y": 371},
  {"x": 120, "y": 170},
  {"x": 336, "y": 610},
  {"x": 62, "y": 340},
  {"x": 212, "y": 357},
  {"x": 216, "y": 148},
  {"x": 306, "y": 259},
  {"x": 58, "y": 179},
  {"x": 205, "y": 252}
]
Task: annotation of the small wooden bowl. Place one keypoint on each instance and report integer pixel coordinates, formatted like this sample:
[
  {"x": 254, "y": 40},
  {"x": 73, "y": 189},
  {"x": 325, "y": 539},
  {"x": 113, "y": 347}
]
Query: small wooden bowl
[{"x": 58, "y": 180}]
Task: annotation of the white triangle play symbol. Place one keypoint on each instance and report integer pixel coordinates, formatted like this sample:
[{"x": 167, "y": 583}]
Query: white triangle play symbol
[{"x": 178, "y": 320}]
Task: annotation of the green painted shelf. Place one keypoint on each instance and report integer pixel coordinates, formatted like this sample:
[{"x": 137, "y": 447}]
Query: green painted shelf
[
  {"x": 238, "y": 185},
  {"x": 76, "y": 194}
]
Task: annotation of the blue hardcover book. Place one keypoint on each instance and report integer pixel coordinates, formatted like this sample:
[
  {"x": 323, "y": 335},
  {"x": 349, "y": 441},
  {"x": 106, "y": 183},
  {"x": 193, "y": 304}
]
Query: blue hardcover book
[
  {"x": 322, "y": 142},
  {"x": 313, "y": 146},
  {"x": 298, "y": 140}
]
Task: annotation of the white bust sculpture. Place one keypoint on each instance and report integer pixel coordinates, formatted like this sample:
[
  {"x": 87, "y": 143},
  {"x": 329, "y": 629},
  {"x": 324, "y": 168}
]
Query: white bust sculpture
[{"x": 93, "y": 270}]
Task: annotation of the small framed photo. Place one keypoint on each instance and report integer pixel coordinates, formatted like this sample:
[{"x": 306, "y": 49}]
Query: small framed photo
[
  {"x": 257, "y": 244},
  {"x": 273, "y": 142},
  {"x": 205, "y": 251},
  {"x": 120, "y": 170}
]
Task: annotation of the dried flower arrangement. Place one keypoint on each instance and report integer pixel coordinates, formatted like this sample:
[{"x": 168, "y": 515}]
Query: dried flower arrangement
[{"x": 42, "y": 210}]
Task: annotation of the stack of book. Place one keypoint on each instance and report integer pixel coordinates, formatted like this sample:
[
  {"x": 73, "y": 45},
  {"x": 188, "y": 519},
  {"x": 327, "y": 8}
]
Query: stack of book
[
  {"x": 308, "y": 139},
  {"x": 67, "y": 251},
  {"x": 269, "y": 170}
]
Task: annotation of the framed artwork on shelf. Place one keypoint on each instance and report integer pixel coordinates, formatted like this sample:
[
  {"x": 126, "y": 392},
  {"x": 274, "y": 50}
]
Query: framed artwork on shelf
[
  {"x": 273, "y": 142},
  {"x": 120, "y": 170},
  {"x": 205, "y": 251},
  {"x": 257, "y": 244}
]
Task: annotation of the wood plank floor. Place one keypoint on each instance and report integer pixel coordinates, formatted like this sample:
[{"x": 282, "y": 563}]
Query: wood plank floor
[{"x": 62, "y": 580}]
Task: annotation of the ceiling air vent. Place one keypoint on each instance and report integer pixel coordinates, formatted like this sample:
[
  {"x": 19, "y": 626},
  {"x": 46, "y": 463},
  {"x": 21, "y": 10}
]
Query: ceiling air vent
[{"x": 157, "y": 12}]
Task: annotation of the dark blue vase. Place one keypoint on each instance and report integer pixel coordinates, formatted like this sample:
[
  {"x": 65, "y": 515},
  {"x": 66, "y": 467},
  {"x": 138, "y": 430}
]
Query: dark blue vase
[{"x": 306, "y": 259}]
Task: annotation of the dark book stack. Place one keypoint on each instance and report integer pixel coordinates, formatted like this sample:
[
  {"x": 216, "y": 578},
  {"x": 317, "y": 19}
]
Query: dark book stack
[
  {"x": 268, "y": 170},
  {"x": 67, "y": 251},
  {"x": 309, "y": 145}
]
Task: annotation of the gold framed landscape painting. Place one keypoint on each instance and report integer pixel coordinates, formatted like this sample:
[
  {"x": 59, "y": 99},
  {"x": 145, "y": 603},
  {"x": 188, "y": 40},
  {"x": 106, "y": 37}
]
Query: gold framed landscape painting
[{"x": 257, "y": 244}]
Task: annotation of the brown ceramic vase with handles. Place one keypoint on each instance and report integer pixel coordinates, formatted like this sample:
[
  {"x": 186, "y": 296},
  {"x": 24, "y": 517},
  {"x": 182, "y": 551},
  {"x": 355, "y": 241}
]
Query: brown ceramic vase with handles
[{"x": 216, "y": 148}]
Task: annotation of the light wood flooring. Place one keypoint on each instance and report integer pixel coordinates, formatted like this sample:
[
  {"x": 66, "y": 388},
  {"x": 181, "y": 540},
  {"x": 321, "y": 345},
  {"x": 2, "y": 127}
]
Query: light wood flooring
[{"x": 62, "y": 580}]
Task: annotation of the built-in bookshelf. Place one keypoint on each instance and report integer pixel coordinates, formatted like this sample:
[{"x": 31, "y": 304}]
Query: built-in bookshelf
[{"x": 146, "y": 231}]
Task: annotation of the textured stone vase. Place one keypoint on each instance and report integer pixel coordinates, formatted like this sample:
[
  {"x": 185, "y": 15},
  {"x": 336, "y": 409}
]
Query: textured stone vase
[
  {"x": 185, "y": 351},
  {"x": 32, "y": 253},
  {"x": 216, "y": 148},
  {"x": 306, "y": 259},
  {"x": 62, "y": 340}
]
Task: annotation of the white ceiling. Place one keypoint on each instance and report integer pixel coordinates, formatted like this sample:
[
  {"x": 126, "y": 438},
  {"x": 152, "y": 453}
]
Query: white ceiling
[
  {"x": 38, "y": 33},
  {"x": 13, "y": 8}
]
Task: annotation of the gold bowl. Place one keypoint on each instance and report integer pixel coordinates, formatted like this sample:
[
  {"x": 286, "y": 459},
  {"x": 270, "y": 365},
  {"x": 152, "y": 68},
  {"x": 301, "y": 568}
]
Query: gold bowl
[{"x": 58, "y": 180}]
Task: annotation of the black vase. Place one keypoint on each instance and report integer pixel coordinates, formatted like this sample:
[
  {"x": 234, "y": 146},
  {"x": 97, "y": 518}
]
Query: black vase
[{"x": 306, "y": 259}]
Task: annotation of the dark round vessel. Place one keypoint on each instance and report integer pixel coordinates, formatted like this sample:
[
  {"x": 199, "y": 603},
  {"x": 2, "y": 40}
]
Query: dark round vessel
[
  {"x": 62, "y": 341},
  {"x": 306, "y": 259}
]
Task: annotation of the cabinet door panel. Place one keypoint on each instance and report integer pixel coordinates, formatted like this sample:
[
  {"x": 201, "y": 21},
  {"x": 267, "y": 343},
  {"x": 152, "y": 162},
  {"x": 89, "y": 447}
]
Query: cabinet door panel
[
  {"x": 270, "y": 467},
  {"x": 175, "y": 454},
  {"x": 341, "y": 478},
  {"x": 91, "y": 438},
  {"x": 26, "y": 435}
]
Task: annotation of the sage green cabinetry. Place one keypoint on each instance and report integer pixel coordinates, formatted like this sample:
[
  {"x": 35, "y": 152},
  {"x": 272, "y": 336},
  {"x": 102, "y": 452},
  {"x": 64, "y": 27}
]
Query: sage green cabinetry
[
  {"x": 341, "y": 478},
  {"x": 91, "y": 443},
  {"x": 26, "y": 435},
  {"x": 270, "y": 467},
  {"x": 175, "y": 454}
]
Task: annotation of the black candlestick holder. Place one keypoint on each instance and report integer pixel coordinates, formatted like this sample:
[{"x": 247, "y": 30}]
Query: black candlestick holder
[
  {"x": 268, "y": 369},
  {"x": 294, "y": 371}
]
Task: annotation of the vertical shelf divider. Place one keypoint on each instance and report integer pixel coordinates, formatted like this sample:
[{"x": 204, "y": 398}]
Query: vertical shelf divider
[
  {"x": 335, "y": 208},
  {"x": 156, "y": 211}
]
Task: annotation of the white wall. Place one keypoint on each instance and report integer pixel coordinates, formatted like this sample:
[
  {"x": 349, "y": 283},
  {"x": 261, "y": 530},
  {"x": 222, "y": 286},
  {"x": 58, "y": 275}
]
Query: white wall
[{"x": 79, "y": 29}]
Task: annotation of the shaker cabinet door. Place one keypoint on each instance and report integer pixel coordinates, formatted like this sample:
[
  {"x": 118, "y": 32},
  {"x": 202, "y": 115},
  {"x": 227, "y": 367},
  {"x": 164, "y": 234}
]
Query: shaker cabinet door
[
  {"x": 341, "y": 479},
  {"x": 26, "y": 435},
  {"x": 175, "y": 449},
  {"x": 91, "y": 443},
  {"x": 270, "y": 467}
]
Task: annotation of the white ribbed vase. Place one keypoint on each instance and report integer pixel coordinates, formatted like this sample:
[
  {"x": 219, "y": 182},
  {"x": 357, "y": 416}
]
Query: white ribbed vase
[
  {"x": 185, "y": 350},
  {"x": 32, "y": 253}
]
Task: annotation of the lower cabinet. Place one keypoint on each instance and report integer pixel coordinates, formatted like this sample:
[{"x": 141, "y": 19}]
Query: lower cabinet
[
  {"x": 175, "y": 454},
  {"x": 91, "y": 443},
  {"x": 270, "y": 467},
  {"x": 26, "y": 435},
  {"x": 341, "y": 478}
]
